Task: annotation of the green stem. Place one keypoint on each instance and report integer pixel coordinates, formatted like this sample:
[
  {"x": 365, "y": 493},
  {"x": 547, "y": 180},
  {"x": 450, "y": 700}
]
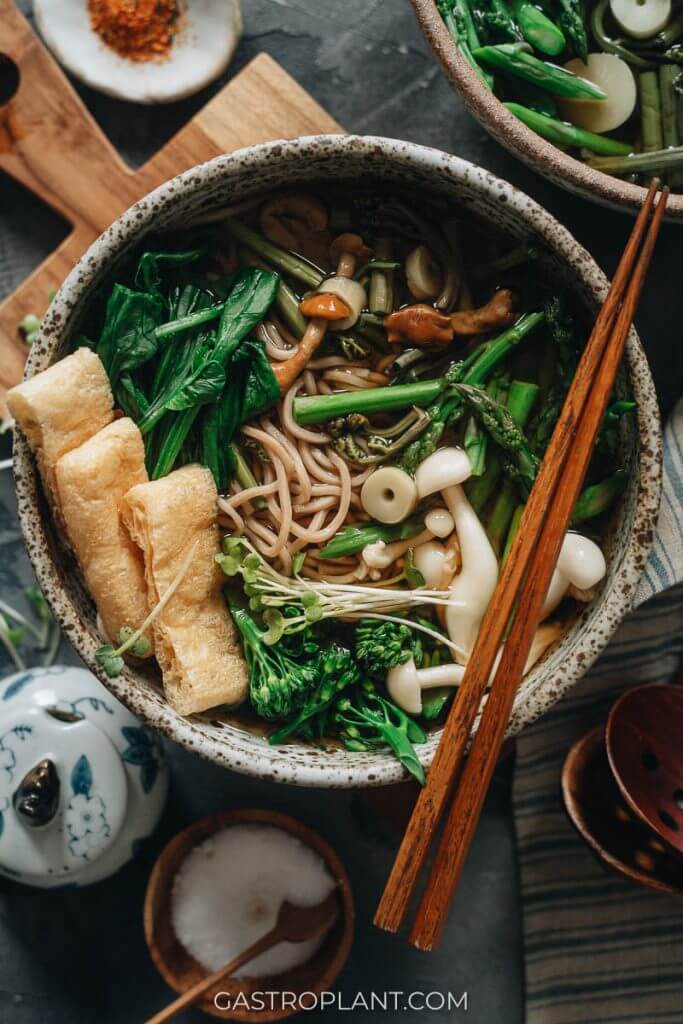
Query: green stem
[
  {"x": 319, "y": 408},
  {"x": 354, "y": 538},
  {"x": 609, "y": 45},
  {"x": 502, "y": 512},
  {"x": 512, "y": 532},
  {"x": 597, "y": 498},
  {"x": 279, "y": 258},
  {"x": 245, "y": 478},
  {"x": 174, "y": 441},
  {"x": 663, "y": 160},
  {"x": 566, "y": 135},
  {"x": 538, "y": 29},
  {"x": 513, "y": 59},
  {"x": 650, "y": 112},
  {"x": 381, "y": 292},
  {"x": 185, "y": 323}
]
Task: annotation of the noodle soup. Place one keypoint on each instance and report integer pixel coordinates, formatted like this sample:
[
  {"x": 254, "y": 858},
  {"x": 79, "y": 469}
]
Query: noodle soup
[{"x": 336, "y": 403}]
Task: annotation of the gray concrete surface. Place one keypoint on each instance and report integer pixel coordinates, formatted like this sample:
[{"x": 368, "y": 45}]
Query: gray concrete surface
[{"x": 78, "y": 957}]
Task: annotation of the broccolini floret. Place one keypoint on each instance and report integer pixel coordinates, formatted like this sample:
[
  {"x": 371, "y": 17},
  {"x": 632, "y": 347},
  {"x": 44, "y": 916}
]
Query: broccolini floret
[
  {"x": 279, "y": 683},
  {"x": 382, "y": 645}
]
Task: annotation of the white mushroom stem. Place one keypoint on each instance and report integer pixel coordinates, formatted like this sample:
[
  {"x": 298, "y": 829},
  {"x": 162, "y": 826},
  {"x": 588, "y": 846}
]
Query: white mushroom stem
[
  {"x": 406, "y": 682},
  {"x": 473, "y": 587},
  {"x": 581, "y": 564},
  {"x": 380, "y": 555}
]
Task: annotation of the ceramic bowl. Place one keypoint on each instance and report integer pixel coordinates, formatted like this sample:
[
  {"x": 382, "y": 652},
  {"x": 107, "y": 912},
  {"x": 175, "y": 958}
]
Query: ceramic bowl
[
  {"x": 234, "y": 178},
  {"x": 505, "y": 128},
  {"x": 181, "y": 971}
]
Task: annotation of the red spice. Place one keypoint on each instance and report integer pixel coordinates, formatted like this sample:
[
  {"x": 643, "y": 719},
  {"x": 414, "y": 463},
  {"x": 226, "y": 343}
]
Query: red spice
[{"x": 137, "y": 29}]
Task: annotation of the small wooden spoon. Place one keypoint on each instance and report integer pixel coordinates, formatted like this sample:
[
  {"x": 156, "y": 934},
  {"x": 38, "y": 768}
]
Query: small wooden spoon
[
  {"x": 294, "y": 924},
  {"x": 644, "y": 739}
]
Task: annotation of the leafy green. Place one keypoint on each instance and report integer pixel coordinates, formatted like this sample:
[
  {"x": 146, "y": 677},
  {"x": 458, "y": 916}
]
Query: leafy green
[
  {"x": 148, "y": 274},
  {"x": 128, "y": 338},
  {"x": 366, "y": 720}
]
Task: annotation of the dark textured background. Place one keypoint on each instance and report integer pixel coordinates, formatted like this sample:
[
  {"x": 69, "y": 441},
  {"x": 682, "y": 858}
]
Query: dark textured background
[{"x": 79, "y": 957}]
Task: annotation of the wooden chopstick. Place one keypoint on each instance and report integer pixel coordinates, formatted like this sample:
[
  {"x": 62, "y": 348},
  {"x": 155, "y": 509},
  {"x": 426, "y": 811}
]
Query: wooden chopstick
[
  {"x": 433, "y": 797},
  {"x": 476, "y": 775}
]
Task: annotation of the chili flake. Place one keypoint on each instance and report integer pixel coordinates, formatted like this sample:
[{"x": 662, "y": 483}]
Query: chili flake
[{"x": 140, "y": 30}]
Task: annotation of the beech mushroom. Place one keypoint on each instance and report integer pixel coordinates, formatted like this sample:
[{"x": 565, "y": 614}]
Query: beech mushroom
[
  {"x": 380, "y": 555},
  {"x": 423, "y": 275},
  {"x": 389, "y": 495},
  {"x": 439, "y": 521},
  {"x": 430, "y": 560},
  {"x": 325, "y": 305},
  {"x": 287, "y": 372},
  {"x": 581, "y": 564},
  {"x": 497, "y": 312},
  {"x": 444, "y": 468},
  {"x": 423, "y": 325},
  {"x": 473, "y": 587},
  {"x": 406, "y": 682}
]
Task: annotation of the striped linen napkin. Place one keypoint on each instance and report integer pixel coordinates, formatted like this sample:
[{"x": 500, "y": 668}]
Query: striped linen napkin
[{"x": 600, "y": 949}]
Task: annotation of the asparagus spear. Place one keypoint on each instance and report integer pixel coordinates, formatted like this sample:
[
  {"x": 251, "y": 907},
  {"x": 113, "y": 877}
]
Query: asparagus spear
[
  {"x": 658, "y": 161},
  {"x": 520, "y": 399},
  {"x": 499, "y": 423},
  {"x": 458, "y": 20},
  {"x": 572, "y": 21},
  {"x": 650, "y": 112},
  {"x": 477, "y": 368},
  {"x": 502, "y": 22},
  {"x": 537, "y": 28},
  {"x": 567, "y": 135},
  {"x": 513, "y": 59},
  {"x": 669, "y": 77},
  {"x": 597, "y": 498}
]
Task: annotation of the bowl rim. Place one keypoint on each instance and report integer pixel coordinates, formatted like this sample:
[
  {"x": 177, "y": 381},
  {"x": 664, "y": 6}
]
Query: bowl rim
[
  {"x": 234, "y": 747},
  {"x": 543, "y": 156}
]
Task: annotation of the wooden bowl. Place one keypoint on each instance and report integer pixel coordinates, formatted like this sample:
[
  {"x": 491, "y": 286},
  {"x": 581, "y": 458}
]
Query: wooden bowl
[
  {"x": 180, "y": 971},
  {"x": 507, "y": 129},
  {"x": 601, "y": 816},
  {"x": 643, "y": 739}
]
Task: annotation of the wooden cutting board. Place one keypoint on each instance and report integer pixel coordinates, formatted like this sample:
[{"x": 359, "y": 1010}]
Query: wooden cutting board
[{"x": 51, "y": 144}]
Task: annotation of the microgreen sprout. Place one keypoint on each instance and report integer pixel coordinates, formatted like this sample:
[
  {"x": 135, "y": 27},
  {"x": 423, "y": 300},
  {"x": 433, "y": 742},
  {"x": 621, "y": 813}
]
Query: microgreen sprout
[
  {"x": 269, "y": 592},
  {"x": 110, "y": 658}
]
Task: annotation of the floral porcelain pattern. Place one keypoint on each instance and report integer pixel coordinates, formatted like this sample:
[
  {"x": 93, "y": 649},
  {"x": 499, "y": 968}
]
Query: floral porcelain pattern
[{"x": 111, "y": 770}]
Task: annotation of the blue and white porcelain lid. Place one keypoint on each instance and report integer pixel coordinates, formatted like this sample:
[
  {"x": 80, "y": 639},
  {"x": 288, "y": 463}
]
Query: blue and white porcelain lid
[
  {"x": 69, "y": 755},
  {"x": 87, "y": 780}
]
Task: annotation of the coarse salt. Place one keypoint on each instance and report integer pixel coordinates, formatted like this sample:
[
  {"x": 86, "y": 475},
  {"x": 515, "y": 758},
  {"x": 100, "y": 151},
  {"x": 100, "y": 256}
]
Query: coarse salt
[{"x": 229, "y": 890}]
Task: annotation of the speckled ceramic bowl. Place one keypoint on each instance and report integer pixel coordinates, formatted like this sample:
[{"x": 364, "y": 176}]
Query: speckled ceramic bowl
[
  {"x": 239, "y": 176},
  {"x": 540, "y": 154}
]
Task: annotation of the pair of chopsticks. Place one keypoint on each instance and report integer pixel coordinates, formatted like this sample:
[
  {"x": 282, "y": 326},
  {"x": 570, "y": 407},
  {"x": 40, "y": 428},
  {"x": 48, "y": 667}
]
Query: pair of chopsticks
[{"x": 519, "y": 597}]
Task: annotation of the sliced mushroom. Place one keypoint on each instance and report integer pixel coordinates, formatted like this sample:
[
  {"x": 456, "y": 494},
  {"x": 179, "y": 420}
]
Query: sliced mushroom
[
  {"x": 423, "y": 274},
  {"x": 419, "y": 325},
  {"x": 497, "y": 312},
  {"x": 326, "y": 305},
  {"x": 581, "y": 564},
  {"x": 389, "y": 495}
]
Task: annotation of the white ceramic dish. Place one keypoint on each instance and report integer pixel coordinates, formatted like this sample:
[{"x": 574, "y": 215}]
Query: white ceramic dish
[
  {"x": 209, "y": 32},
  {"x": 247, "y": 173}
]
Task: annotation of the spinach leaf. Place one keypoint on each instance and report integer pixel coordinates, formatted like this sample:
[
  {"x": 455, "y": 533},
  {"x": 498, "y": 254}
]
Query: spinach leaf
[
  {"x": 251, "y": 390},
  {"x": 128, "y": 337},
  {"x": 149, "y": 268},
  {"x": 245, "y": 307}
]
